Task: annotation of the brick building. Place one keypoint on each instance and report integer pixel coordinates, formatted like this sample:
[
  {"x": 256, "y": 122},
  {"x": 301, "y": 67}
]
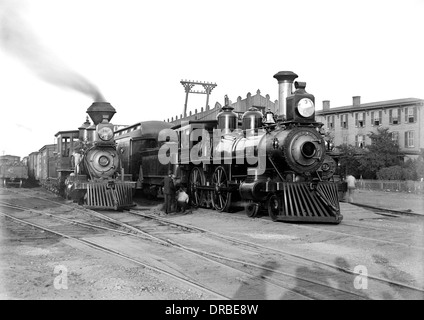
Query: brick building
[{"x": 351, "y": 124}]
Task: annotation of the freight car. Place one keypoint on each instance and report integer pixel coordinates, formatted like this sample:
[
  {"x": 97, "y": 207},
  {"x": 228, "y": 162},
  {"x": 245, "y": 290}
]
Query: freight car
[
  {"x": 12, "y": 171},
  {"x": 267, "y": 163}
]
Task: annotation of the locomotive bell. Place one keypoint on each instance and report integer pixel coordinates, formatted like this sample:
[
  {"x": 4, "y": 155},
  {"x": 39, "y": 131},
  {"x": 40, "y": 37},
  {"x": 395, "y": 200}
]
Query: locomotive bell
[
  {"x": 269, "y": 118},
  {"x": 101, "y": 110},
  {"x": 227, "y": 118},
  {"x": 252, "y": 119}
]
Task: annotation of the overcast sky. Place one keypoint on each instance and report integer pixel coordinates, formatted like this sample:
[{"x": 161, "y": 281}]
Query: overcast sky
[{"x": 58, "y": 56}]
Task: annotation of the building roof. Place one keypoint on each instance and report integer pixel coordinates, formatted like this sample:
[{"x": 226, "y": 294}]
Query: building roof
[
  {"x": 66, "y": 132},
  {"x": 374, "y": 105},
  {"x": 47, "y": 146}
]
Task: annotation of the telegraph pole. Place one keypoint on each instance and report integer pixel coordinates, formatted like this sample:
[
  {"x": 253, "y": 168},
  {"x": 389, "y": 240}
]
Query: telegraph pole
[{"x": 188, "y": 88}]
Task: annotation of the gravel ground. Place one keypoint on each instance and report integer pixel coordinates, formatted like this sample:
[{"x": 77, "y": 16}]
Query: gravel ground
[
  {"x": 32, "y": 262},
  {"x": 31, "y": 267}
]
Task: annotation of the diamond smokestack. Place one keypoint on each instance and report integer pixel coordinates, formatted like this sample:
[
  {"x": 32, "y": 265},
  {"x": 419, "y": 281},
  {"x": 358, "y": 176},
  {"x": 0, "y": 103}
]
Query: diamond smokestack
[{"x": 99, "y": 111}]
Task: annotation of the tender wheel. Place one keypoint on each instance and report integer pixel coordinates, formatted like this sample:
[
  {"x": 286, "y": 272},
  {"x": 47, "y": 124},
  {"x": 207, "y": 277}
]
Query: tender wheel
[
  {"x": 221, "y": 198},
  {"x": 273, "y": 207},
  {"x": 196, "y": 179},
  {"x": 251, "y": 209}
]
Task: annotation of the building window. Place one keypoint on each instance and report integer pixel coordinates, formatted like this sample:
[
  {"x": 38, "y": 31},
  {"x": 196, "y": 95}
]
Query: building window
[
  {"x": 394, "y": 116},
  {"x": 395, "y": 136},
  {"x": 330, "y": 122},
  {"x": 360, "y": 141},
  {"x": 345, "y": 140},
  {"x": 409, "y": 139},
  {"x": 343, "y": 121},
  {"x": 360, "y": 119},
  {"x": 410, "y": 114},
  {"x": 376, "y": 118}
]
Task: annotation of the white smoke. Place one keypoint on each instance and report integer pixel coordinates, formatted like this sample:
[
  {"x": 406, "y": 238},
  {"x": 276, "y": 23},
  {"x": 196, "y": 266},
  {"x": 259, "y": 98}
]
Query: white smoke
[{"x": 20, "y": 42}]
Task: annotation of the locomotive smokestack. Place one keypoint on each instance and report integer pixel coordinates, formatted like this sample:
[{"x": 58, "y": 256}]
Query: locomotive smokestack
[
  {"x": 101, "y": 110},
  {"x": 285, "y": 83}
]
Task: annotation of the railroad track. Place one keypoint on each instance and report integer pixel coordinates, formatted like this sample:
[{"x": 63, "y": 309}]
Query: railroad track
[
  {"x": 306, "y": 287},
  {"x": 279, "y": 284},
  {"x": 385, "y": 211},
  {"x": 294, "y": 258},
  {"x": 65, "y": 231}
]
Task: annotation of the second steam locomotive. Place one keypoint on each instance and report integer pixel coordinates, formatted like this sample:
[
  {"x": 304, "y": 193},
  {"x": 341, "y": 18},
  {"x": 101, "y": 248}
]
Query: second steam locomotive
[
  {"x": 85, "y": 165},
  {"x": 265, "y": 163}
]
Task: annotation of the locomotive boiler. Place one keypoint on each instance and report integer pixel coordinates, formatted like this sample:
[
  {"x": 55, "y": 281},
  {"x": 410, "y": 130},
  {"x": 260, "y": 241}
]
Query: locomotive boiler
[{"x": 269, "y": 163}]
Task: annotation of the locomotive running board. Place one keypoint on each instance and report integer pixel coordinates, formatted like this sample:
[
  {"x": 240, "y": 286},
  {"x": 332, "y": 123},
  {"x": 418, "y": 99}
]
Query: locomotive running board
[
  {"x": 308, "y": 202},
  {"x": 101, "y": 196}
]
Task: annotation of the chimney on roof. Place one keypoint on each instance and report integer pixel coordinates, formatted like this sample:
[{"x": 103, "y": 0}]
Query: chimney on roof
[
  {"x": 326, "y": 105},
  {"x": 356, "y": 101}
]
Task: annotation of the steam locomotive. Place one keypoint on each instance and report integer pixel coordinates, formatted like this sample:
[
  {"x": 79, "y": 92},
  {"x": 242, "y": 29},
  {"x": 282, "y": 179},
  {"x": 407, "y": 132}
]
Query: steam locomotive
[
  {"x": 85, "y": 165},
  {"x": 277, "y": 164}
]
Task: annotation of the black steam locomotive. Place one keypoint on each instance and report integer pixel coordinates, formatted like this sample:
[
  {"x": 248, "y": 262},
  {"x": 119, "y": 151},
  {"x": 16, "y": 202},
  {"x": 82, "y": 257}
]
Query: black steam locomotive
[
  {"x": 85, "y": 165},
  {"x": 276, "y": 164}
]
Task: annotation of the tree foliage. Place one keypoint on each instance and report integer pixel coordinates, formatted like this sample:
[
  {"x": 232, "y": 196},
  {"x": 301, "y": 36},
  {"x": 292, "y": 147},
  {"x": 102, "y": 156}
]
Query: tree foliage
[
  {"x": 410, "y": 170},
  {"x": 383, "y": 152},
  {"x": 349, "y": 159}
]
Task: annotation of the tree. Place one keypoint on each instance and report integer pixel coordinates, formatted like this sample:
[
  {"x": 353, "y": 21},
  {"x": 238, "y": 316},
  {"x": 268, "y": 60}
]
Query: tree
[
  {"x": 349, "y": 159},
  {"x": 383, "y": 152},
  {"x": 390, "y": 173}
]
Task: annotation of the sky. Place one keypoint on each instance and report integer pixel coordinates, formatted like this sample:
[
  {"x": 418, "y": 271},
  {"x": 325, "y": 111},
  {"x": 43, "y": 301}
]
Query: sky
[{"x": 58, "y": 56}]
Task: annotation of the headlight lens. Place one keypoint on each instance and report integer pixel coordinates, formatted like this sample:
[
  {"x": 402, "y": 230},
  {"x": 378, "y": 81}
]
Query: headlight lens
[
  {"x": 105, "y": 133},
  {"x": 306, "y": 107}
]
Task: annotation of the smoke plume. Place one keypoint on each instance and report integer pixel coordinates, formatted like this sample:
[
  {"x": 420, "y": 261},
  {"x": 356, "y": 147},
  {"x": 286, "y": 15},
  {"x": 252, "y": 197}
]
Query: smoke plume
[{"x": 19, "y": 41}]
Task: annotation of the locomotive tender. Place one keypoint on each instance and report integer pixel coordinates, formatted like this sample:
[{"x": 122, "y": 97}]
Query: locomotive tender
[
  {"x": 13, "y": 171},
  {"x": 276, "y": 164}
]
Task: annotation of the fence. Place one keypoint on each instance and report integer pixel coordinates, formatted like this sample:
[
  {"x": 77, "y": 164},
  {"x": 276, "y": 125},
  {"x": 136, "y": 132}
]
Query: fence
[{"x": 392, "y": 185}]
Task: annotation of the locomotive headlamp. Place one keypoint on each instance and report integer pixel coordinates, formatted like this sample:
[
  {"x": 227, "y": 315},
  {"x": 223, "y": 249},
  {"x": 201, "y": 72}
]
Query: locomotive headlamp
[
  {"x": 105, "y": 133},
  {"x": 306, "y": 107}
]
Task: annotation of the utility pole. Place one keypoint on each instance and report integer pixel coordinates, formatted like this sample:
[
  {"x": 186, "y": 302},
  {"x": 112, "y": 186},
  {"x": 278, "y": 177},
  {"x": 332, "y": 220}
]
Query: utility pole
[{"x": 188, "y": 86}]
